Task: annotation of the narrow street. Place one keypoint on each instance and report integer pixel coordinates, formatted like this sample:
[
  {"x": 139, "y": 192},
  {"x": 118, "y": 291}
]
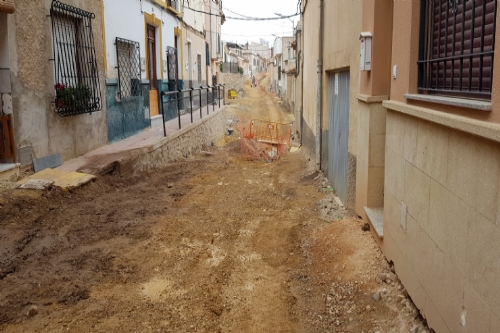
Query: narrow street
[{"x": 213, "y": 243}]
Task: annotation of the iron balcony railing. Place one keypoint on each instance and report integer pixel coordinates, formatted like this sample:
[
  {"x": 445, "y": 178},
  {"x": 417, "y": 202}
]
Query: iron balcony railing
[{"x": 181, "y": 102}]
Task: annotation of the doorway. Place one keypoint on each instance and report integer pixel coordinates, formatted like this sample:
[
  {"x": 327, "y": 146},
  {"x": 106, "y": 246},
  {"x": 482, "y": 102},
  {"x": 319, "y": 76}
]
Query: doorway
[
  {"x": 190, "y": 66},
  {"x": 338, "y": 133},
  {"x": 152, "y": 71}
]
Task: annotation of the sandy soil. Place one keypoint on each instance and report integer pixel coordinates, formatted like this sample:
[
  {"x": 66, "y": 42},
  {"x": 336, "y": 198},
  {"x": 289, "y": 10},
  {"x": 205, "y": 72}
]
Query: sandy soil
[{"x": 213, "y": 243}]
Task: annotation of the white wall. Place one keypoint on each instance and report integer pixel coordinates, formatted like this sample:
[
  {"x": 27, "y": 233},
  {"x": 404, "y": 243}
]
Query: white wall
[
  {"x": 192, "y": 18},
  {"x": 124, "y": 19},
  {"x": 278, "y": 46}
]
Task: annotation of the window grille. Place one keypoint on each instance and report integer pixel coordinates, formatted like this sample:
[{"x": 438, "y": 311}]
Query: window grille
[
  {"x": 207, "y": 54},
  {"x": 172, "y": 68},
  {"x": 199, "y": 67},
  {"x": 457, "y": 44},
  {"x": 129, "y": 67},
  {"x": 172, "y": 3},
  {"x": 77, "y": 88}
]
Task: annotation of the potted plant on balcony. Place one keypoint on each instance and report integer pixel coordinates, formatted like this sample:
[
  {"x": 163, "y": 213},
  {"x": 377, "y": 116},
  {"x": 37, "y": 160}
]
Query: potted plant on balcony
[{"x": 78, "y": 97}]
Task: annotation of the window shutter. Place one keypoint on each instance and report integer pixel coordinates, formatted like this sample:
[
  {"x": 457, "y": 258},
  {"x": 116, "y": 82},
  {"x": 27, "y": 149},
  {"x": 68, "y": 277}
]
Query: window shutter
[{"x": 461, "y": 45}]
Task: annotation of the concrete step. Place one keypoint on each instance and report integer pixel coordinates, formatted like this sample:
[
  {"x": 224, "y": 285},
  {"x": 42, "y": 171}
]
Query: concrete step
[
  {"x": 376, "y": 217},
  {"x": 9, "y": 171}
]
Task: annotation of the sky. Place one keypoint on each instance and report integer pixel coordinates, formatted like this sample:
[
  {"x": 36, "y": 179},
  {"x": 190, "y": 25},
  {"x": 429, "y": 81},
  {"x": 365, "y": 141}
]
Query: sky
[{"x": 243, "y": 31}]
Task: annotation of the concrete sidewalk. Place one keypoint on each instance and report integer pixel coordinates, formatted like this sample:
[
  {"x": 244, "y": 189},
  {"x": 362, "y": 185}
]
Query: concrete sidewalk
[{"x": 107, "y": 158}]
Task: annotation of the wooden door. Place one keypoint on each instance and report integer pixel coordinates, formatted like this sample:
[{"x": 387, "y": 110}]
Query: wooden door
[
  {"x": 7, "y": 147},
  {"x": 152, "y": 71}
]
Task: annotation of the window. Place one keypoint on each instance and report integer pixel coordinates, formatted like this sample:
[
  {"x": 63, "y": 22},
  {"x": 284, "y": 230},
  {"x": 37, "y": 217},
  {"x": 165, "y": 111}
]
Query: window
[
  {"x": 279, "y": 73},
  {"x": 457, "y": 47},
  {"x": 76, "y": 80},
  {"x": 207, "y": 50},
  {"x": 199, "y": 67},
  {"x": 129, "y": 67}
]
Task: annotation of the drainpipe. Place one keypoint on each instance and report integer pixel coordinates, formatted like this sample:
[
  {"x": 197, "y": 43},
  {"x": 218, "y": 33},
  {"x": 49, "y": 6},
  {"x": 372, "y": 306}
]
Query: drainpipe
[{"x": 319, "y": 93}]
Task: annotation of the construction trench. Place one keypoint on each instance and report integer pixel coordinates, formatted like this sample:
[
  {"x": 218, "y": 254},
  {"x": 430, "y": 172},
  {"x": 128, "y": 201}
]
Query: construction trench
[{"x": 216, "y": 242}]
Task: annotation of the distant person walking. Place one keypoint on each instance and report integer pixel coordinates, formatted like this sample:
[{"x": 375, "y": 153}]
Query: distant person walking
[{"x": 253, "y": 81}]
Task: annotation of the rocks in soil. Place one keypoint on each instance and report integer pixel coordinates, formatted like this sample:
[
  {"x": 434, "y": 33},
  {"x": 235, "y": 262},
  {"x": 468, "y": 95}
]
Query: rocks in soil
[
  {"x": 365, "y": 227},
  {"x": 330, "y": 208},
  {"x": 33, "y": 311},
  {"x": 414, "y": 329},
  {"x": 376, "y": 296}
]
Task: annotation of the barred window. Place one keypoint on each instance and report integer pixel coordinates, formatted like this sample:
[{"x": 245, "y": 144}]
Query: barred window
[
  {"x": 76, "y": 79},
  {"x": 199, "y": 67},
  {"x": 129, "y": 67},
  {"x": 457, "y": 43}
]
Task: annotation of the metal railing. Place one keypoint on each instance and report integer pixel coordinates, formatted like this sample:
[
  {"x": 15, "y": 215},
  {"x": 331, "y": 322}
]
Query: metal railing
[{"x": 181, "y": 102}]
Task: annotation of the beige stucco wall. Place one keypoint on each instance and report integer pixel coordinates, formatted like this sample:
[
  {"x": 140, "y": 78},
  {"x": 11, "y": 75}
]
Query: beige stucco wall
[
  {"x": 311, "y": 40},
  {"x": 32, "y": 77},
  {"x": 374, "y": 88},
  {"x": 341, "y": 52},
  {"x": 197, "y": 41}
]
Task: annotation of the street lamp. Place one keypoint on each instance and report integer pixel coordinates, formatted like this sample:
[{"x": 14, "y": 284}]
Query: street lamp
[{"x": 293, "y": 24}]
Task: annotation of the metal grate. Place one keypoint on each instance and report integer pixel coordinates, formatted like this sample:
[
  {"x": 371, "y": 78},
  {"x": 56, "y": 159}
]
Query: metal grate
[
  {"x": 457, "y": 44},
  {"x": 77, "y": 88},
  {"x": 129, "y": 67},
  {"x": 172, "y": 68},
  {"x": 198, "y": 59}
]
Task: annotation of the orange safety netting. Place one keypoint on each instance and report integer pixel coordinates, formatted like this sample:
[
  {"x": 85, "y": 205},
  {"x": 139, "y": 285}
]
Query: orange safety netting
[{"x": 265, "y": 140}]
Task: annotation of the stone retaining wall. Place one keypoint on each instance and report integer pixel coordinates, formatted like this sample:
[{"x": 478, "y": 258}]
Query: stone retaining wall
[
  {"x": 186, "y": 142},
  {"x": 234, "y": 81}
]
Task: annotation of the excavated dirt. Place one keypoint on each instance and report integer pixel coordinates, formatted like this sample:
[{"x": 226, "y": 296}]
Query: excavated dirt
[{"x": 213, "y": 243}]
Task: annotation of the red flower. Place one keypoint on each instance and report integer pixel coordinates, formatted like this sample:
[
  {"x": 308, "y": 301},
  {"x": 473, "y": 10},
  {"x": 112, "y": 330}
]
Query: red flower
[{"x": 59, "y": 86}]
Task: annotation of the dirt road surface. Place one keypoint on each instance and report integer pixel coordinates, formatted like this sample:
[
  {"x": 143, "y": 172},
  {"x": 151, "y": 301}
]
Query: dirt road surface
[{"x": 213, "y": 243}]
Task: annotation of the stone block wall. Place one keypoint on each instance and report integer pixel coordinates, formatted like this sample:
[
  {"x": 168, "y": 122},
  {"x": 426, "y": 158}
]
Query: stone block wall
[
  {"x": 186, "y": 142},
  {"x": 442, "y": 222},
  {"x": 234, "y": 81}
]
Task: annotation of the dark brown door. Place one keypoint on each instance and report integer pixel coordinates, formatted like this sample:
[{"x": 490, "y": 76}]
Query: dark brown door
[
  {"x": 7, "y": 151},
  {"x": 153, "y": 81}
]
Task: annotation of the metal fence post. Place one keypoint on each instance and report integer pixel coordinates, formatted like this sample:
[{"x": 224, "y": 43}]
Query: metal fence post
[
  {"x": 208, "y": 104},
  {"x": 213, "y": 98},
  {"x": 224, "y": 93},
  {"x": 191, "y": 101},
  {"x": 179, "y": 107},
  {"x": 218, "y": 94},
  {"x": 201, "y": 105},
  {"x": 163, "y": 113}
]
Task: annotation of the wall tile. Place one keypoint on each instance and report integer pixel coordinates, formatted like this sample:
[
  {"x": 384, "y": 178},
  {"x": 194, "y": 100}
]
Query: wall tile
[
  {"x": 377, "y": 118},
  {"x": 427, "y": 262},
  {"x": 395, "y": 129},
  {"x": 394, "y": 174},
  {"x": 477, "y": 313},
  {"x": 449, "y": 299},
  {"x": 410, "y": 139},
  {"x": 377, "y": 150},
  {"x": 448, "y": 224},
  {"x": 434, "y": 319},
  {"x": 494, "y": 324},
  {"x": 432, "y": 150},
  {"x": 488, "y": 172},
  {"x": 483, "y": 259},
  {"x": 376, "y": 186},
  {"x": 462, "y": 166},
  {"x": 416, "y": 194}
]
